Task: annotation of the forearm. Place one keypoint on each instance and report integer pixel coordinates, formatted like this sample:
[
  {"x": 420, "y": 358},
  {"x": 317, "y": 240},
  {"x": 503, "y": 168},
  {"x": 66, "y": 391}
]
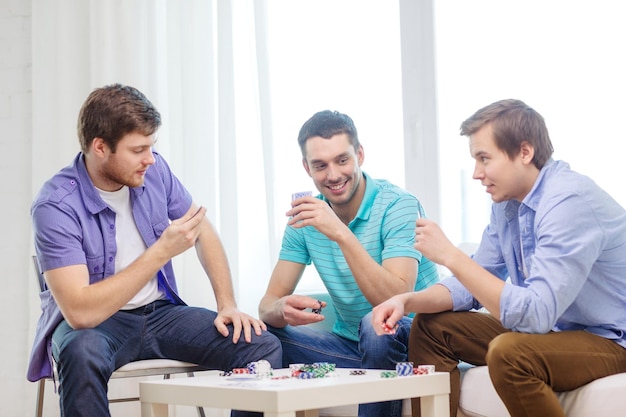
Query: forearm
[
  {"x": 377, "y": 282},
  {"x": 434, "y": 299},
  {"x": 270, "y": 311},
  {"x": 87, "y": 305},
  {"x": 214, "y": 261},
  {"x": 484, "y": 286}
]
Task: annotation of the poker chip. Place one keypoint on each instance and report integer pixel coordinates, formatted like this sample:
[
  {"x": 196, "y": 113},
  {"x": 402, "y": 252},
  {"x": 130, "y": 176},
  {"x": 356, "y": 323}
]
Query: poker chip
[
  {"x": 312, "y": 370},
  {"x": 318, "y": 310},
  {"x": 263, "y": 368},
  {"x": 294, "y": 369},
  {"x": 388, "y": 374},
  {"x": 260, "y": 368},
  {"x": 404, "y": 368},
  {"x": 358, "y": 372},
  {"x": 424, "y": 370}
]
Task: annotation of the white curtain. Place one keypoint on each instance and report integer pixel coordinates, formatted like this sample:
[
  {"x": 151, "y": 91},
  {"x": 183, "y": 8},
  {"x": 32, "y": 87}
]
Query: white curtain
[
  {"x": 201, "y": 63},
  {"x": 230, "y": 119}
]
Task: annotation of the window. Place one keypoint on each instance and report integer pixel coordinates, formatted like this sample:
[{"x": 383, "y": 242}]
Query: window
[
  {"x": 563, "y": 58},
  {"x": 342, "y": 56}
]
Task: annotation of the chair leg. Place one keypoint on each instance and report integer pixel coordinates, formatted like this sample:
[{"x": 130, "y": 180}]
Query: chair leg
[
  {"x": 200, "y": 409},
  {"x": 41, "y": 390}
]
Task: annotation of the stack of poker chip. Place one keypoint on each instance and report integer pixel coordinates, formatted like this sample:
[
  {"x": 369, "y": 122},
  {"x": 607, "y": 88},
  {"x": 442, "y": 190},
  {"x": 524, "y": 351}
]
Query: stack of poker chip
[
  {"x": 314, "y": 370},
  {"x": 404, "y": 368},
  {"x": 424, "y": 370},
  {"x": 294, "y": 369},
  {"x": 260, "y": 368}
]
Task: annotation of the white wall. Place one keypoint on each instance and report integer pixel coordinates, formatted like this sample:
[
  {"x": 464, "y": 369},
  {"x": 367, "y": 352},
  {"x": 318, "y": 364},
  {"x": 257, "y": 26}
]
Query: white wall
[{"x": 17, "y": 396}]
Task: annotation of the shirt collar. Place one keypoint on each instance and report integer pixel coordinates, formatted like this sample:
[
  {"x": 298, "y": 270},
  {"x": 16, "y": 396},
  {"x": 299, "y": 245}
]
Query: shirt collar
[{"x": 533, "y": 198}]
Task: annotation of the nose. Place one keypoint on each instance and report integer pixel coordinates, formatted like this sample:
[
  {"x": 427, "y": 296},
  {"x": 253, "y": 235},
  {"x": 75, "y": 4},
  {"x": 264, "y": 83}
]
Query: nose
[
  {"x": 333, "y": 172},
  {"x": 478, "y": 172},
  {"x": 149, "y": 159}
]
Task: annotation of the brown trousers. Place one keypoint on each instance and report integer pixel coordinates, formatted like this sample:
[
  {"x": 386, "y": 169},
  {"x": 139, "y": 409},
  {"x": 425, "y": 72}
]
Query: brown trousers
[{"x": 526, "y": 369}]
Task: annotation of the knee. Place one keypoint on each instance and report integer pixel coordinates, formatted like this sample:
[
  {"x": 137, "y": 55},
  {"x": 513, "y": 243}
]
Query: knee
[
  {"x": 272, "y": 349},
  {"x": 424, "y": 325},
  {"x": 425, "y": 321},
  {"x": 367, "y": 334},
  {"x": 84, "y": 350},
  {"x": 503, "y": 350},
  {"x": 271, "y": 343},
  {"x": 365, "y": 327},
  {"x": 369, "y": 339}
]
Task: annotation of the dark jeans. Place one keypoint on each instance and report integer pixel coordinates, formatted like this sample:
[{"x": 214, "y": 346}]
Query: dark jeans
[
  {"x": 86, "y": 358},
  {"x": 525, "y": 369},
  {"x": 302, "y": 344}
]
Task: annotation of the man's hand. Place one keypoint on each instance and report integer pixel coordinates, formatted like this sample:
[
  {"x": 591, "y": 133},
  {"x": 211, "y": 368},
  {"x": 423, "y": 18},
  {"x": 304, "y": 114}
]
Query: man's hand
[
  {"x": 241, "y": 322},
  {"x": 182, "y": 233},
  {"x": 385, "y": 316},
  {"x": 432, "y": 242},
  {"x": 311, "y": 211},
  {"x": 294, "y": 307}
]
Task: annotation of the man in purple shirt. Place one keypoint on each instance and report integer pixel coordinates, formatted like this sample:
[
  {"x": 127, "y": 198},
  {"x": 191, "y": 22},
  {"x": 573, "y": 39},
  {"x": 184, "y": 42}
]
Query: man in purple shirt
[
  {"x": 106, "y": 228},
  {"x": 550, "y": 270}
]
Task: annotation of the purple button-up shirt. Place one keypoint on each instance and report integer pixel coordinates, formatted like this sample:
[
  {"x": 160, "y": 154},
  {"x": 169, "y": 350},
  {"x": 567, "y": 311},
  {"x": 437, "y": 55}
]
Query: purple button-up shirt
[{"x": 73, "y": 225}]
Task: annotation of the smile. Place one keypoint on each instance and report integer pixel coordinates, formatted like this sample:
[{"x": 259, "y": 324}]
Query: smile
[{"x": 337, "y": 187}]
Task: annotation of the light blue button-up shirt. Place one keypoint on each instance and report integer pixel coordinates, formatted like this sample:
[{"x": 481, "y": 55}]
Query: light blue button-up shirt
[{"x": 564, "y": 249}]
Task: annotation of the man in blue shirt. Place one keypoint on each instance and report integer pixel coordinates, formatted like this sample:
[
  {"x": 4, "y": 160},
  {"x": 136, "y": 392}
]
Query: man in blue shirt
[
  {"x": 559, "y": 321},
  {"x": 359, "y": 234},
  {"x": 106, "y": 228}
]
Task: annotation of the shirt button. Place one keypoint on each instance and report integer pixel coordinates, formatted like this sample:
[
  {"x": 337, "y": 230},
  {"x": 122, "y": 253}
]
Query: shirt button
[
  {"x": 110, "y": 259},
  {"x": 111, "y": 226}
]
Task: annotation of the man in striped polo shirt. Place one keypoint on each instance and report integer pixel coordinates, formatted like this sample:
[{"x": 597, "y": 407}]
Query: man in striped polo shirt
[{"x": 359, "y": 234}]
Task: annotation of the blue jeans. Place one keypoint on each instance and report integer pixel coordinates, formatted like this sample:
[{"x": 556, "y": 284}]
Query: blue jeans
[
  {"x": 86, "y": 358},
  {"x": 303, "y": 344}
]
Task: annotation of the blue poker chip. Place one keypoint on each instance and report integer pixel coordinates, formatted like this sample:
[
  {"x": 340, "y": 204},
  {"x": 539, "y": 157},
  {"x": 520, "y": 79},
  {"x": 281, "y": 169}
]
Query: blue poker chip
[{"x": 404, "y": 368}]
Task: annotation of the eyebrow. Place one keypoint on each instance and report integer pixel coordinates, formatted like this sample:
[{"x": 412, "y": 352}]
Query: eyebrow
[{"x": 341, "y": 155}]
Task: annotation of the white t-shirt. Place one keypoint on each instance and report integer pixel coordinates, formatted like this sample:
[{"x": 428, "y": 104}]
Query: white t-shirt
[{"x": 129, "y": 244}]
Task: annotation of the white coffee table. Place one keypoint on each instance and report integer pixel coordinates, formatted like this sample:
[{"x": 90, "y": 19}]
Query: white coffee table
[{"x": 284, "y": 397}]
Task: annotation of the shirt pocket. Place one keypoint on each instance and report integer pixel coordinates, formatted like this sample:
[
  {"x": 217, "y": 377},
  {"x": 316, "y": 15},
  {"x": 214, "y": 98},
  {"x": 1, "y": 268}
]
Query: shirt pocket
[
  {"x": 96, "y": 267},
  {"x": 159, "y": 227}
]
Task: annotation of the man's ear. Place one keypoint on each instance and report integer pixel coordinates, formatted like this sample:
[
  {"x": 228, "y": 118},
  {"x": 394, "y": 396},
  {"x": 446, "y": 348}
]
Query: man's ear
[
  {"x": 99, "y": 147},
  {"x": 360, "y": 155},
  {"x": 527, "y": 152},
  {"x": 305, "y": 164}
]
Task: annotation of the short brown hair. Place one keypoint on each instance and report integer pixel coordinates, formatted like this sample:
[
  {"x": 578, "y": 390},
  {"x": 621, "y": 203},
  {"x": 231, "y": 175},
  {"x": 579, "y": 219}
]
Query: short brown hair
[
  {"x": 513, "y": 122},
  {"x": 113, "y": 111},
  {"x": 327, "y": 124}
]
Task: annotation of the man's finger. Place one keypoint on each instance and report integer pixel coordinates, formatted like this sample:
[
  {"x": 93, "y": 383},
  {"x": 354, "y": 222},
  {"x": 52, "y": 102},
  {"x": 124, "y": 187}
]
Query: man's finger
[{"x": 200, "y": 209}]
